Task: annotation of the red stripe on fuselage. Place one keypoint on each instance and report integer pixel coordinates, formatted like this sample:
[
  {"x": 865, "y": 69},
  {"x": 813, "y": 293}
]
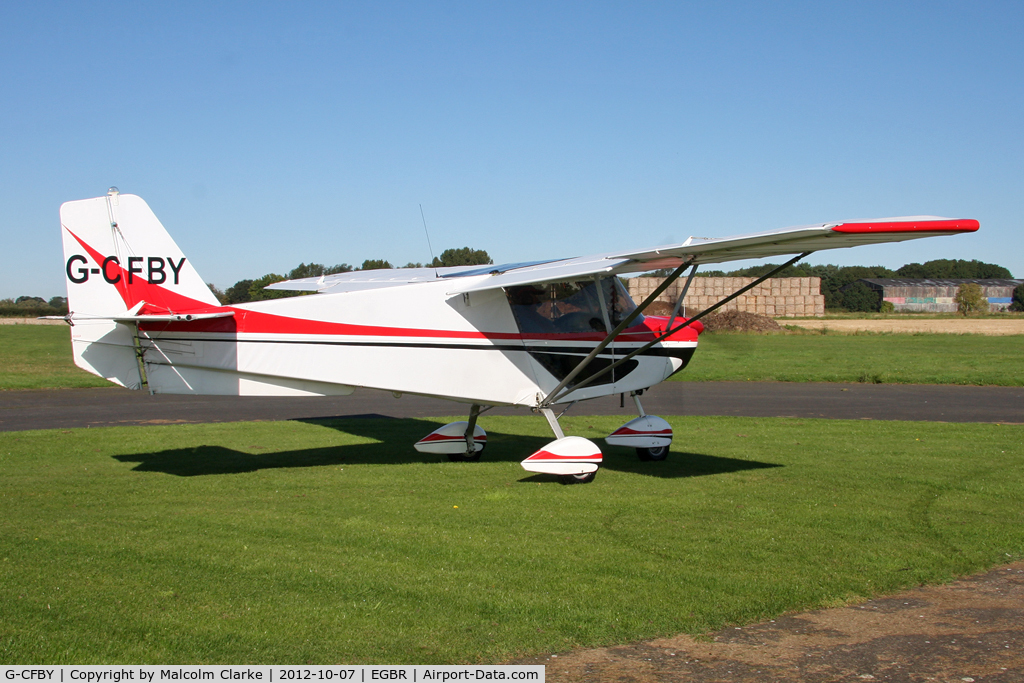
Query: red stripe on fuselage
[
  {"x": 256, "y": 322},
  {"x": 159, "y": 299}
]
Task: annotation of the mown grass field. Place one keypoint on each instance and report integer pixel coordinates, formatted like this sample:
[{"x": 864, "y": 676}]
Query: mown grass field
[
  {"x": 39, "y": 357},
  {"x": 920, "y": 315},
  {"x": 863, "y": 357},
  {"x": 294, "y": 542}
]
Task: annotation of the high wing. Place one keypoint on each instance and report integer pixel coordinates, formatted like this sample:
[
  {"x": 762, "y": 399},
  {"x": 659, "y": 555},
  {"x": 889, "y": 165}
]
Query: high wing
[
  {"x": 366, "y": 279},
  {"x": 699, "y": 251},
  {"x": 392, "y": 277},
  {"x": 694, "y": 251}
]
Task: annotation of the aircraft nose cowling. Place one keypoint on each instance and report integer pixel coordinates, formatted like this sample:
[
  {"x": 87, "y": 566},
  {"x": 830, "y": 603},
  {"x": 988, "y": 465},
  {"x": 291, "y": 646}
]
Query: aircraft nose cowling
[{"x": 659, "y": 323}]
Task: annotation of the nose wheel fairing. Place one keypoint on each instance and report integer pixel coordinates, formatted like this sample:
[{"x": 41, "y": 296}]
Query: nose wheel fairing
[
  {"x": 570, "y": 455},
  {"x": 646, "y": 431}
]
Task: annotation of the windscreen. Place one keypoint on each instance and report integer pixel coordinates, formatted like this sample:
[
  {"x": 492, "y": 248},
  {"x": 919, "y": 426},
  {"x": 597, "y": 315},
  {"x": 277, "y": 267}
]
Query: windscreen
[{"x": 570, "y": 307}]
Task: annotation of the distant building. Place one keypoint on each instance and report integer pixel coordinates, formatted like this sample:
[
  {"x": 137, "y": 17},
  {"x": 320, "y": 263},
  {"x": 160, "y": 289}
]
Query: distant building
[{"x": 936, "y": 296}]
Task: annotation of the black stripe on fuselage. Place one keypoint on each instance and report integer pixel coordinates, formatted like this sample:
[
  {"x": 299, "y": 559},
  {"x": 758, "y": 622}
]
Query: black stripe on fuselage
[
  {"x": 676, "y": 352},
  {"x": 557, "y": 360}
]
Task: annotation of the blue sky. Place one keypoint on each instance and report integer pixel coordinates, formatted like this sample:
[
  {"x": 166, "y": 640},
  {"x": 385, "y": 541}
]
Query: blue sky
[{"x": 265, "y": 134}]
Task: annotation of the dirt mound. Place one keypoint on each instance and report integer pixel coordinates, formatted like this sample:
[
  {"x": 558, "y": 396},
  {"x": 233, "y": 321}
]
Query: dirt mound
[
  {"x": 723, "y": 321},
  {"x": 659, "y": 308},
  {"x": 739, "y": 321}
]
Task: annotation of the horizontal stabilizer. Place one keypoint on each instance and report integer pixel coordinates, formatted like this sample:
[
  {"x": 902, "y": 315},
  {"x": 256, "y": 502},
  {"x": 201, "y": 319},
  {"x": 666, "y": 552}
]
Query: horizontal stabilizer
[
  {"x": 72, "y": 318},
  {"x": 174, "y": 317}
]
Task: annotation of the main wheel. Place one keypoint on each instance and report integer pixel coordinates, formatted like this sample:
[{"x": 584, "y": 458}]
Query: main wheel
[
  {"x": 467, "y": 457},
  {"x": 585, "y": 478},
  {"x": 657, "y": 453}
]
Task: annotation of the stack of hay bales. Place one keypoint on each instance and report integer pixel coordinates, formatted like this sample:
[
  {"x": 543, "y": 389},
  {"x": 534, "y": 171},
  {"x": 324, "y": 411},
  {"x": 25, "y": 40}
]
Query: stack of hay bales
[{"x": 776, "y": 297}]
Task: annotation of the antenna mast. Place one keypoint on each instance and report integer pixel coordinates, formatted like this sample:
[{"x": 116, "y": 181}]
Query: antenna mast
[{"x": 427, "y": 233}]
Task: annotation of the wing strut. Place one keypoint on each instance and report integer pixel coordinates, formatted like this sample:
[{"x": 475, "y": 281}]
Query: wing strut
[
  {"x": 667, "y": 333},
  {"x": 615, "y": 333},
  {"x": 682, "y": 295}
]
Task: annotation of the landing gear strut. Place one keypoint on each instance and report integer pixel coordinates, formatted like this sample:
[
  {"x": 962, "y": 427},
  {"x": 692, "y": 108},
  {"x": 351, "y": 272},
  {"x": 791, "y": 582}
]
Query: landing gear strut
[
  {"x": 460, "y": 441},
  {"x": 472, "y": 452}
]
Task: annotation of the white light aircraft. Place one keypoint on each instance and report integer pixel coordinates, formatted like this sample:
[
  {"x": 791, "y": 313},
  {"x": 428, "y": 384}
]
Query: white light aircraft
[{"x": 538, "y": 335}]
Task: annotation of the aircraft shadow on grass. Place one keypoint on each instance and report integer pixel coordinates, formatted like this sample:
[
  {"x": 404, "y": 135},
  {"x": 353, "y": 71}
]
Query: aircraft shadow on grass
[{"x": 392, "y": 444}]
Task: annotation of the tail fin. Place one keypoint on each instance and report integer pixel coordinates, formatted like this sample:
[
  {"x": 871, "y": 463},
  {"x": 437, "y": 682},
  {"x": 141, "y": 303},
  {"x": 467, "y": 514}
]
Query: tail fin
[
  {"x": 122, "y": 265},
  {"x": 117, "y": 254}
]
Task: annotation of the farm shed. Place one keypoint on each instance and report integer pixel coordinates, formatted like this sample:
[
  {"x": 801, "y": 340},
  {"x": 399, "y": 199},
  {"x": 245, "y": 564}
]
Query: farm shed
[{"x": 936, "y": 296}]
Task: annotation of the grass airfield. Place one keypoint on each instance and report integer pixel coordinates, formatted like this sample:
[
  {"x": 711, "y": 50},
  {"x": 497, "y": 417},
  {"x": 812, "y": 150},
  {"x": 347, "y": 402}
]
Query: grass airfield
[
  {"x": 871, "y": 357},
  {"x": 331, "y": 542}
]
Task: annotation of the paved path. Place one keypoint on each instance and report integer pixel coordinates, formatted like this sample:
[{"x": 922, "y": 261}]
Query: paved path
[{"x": 70, "y": 408}]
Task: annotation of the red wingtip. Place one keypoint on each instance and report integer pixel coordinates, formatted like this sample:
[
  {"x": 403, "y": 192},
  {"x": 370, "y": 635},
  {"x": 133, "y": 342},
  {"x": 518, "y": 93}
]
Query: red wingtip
[{"x": 945, "y": 225}]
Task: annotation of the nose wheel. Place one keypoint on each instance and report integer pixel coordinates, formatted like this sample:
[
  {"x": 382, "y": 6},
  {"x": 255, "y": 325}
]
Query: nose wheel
[
  {"x": 656, "y": 454},
  {"x": 467, "y": 456},
  {"x": 585, "y": 478}
]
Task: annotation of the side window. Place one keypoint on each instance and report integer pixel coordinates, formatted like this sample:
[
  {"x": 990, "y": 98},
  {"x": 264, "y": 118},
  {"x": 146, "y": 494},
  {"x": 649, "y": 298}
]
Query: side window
[{"x": 620, "y": 303}]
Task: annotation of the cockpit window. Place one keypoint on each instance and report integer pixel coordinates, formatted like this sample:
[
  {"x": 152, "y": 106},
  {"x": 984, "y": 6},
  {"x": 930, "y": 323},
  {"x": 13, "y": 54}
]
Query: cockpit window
[
  {"x": 570, "y": 307},
  {"x": 620, "y": 303}
]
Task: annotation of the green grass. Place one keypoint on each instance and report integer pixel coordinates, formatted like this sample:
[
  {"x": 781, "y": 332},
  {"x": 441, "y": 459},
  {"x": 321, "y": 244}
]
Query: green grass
[
  {"x": 863, "y": 357},
  {"x": 293, "y": 542},
  {"x": 39, "y": 357}
]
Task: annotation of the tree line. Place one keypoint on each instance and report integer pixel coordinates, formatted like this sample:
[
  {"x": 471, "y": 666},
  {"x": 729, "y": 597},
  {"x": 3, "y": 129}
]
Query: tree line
[
  {"x": 843, "y": 292},
  {"x": 33, "y": 307},
  {"x": 838, "y": 283}
]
